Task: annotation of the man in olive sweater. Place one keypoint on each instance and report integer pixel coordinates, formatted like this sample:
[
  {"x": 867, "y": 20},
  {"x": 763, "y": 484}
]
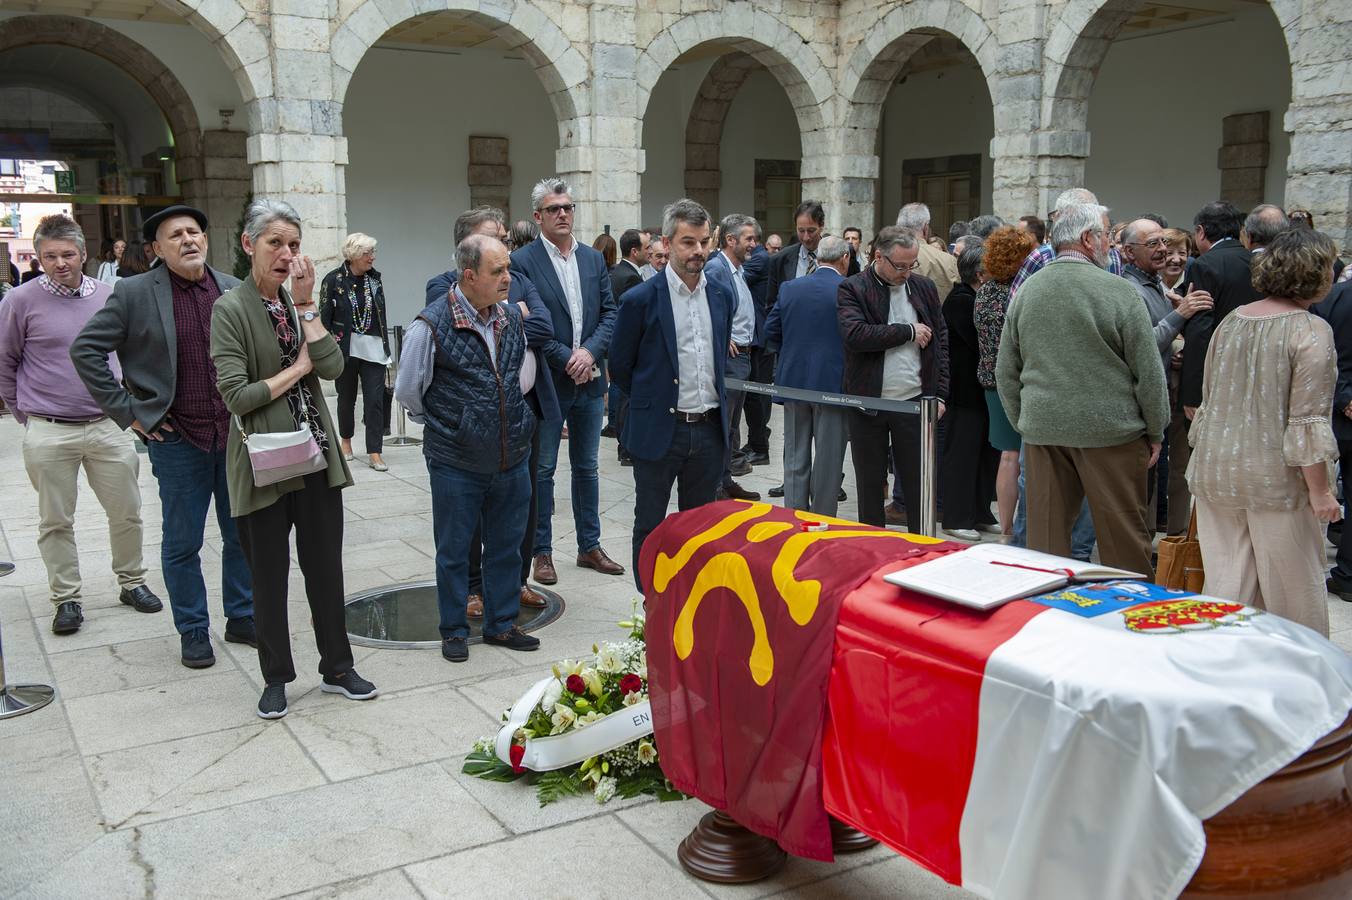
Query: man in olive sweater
[{"x": 1079, "y": 374}]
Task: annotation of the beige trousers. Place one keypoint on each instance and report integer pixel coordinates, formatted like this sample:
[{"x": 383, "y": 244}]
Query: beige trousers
[
  {"x": 1269, "y": 558},
  {"x": 53, "y": 454}
]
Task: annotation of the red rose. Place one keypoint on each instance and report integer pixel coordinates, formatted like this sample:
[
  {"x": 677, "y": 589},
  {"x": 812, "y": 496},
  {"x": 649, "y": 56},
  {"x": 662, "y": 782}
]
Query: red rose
[
  {"x": 576, "y": 684},
  {"x": 630, "y": 683},
  {"x": 516, "y": 753}
]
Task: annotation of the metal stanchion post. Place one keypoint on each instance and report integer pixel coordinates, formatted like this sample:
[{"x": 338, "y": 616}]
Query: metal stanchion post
[
  {"x": 400, "y": 439},
  {"x": 17, "y": 699},
  {"x": 929, "y": 472}
]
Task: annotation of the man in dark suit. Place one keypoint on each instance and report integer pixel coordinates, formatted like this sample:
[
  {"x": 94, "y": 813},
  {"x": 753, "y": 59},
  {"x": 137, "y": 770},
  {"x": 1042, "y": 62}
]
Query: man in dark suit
[
  {"x": 573, "y": 281},
  {"x": 1223, "y": 272},
  {"x": 737, "y": 232},
  {"x": 159, "y": 325},
  {"x": 671, "y": 336},
  {"x": 1336, "y": 309},
  {"x": 539, "y": 328},
  {"x": 803, "y": 331},
  {"x": 626, "y": 274},
  {"x": 896, "y": 347}
]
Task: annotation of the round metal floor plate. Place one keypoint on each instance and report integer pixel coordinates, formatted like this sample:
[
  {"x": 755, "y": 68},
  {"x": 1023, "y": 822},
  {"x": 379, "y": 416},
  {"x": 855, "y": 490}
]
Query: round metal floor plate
[{"x": 404, "y": 616}]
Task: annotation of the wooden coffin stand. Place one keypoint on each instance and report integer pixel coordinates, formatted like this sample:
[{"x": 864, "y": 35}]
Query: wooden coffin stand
[{"x": 1289, "y": 836}]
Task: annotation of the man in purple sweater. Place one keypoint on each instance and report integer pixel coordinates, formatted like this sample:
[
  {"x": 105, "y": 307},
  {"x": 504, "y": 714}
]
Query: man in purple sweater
[{"x": 64, "y": 428}]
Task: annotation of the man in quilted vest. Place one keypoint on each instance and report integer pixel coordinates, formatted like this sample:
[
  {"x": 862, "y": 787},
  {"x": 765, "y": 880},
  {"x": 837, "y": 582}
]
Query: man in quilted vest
[{"x": 465, "y": 370}]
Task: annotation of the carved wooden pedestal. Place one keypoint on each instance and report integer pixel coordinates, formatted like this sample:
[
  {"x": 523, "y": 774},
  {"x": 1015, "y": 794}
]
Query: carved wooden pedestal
[{"x": 1289, "y": 836}]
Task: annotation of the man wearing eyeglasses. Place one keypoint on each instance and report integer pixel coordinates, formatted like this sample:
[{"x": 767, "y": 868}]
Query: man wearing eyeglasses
[
  {"x": 575, "y": 285},
  {"x": 896, "y": 347}
]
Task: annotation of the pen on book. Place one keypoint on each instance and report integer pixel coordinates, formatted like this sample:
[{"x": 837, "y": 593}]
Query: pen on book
[{"x": 1066, "y": 572}]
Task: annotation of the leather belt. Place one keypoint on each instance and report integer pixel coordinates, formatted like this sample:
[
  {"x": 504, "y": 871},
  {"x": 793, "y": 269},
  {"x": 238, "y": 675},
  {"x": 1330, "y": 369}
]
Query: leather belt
[
  {"x": 57, "y": 421},
  {"x": 744, "y": 348},
  {"x": 691, "y": 418}
]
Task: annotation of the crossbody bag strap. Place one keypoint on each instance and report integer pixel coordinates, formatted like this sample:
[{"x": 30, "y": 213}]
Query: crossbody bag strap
[{"x": 295, "y": 319}]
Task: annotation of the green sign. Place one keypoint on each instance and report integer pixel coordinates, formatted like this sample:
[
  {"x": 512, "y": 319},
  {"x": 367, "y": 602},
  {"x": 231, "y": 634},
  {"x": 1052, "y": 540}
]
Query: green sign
[{"x": 65, "y": 182}]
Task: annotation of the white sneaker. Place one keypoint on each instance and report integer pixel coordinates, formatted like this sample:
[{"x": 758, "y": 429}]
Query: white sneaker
[
  {"x": 988, "y": 529},
  {"x": 970, "y": 535}
]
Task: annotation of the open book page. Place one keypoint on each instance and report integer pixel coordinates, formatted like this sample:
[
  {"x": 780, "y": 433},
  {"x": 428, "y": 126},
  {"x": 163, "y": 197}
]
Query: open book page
[{"x": 986, "y": 575}]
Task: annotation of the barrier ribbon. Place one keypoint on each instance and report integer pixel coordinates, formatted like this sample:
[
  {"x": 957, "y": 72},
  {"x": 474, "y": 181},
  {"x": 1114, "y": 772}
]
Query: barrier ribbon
[{"x": 850, "y": 401}]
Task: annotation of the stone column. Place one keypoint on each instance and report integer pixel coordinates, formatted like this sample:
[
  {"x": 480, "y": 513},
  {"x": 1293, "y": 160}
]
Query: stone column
[
  {"x": 226, "y": 182},
  {"x": 1032, "y": 169},
  {"x": 296, "y": 144},
  {"x": 1243, "y": 158},
  {"x": 606, "y": 158},
  {"x": 843, "y": 175}
]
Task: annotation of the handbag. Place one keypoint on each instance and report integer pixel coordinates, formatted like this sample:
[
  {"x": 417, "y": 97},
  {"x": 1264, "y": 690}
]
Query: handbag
[
  {"x": 278, "y": 455},
  {"x": 1179, "y": 565}
]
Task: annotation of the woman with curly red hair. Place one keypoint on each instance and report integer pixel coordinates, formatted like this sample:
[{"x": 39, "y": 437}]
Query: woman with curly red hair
[{"x": 1006, "y": 249}]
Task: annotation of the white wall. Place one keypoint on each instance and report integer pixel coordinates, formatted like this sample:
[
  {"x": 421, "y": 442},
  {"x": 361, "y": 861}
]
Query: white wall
[
  {"x": 760, "y": 125},
  {"x": 408, "y": 116},
  {"x": 1156, "y": 109},
  {"x": 945, "y": 112},
  {"x": 198, "y": 65}
]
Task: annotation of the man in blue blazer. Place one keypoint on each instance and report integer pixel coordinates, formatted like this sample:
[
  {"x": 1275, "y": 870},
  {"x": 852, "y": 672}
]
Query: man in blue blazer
[
  {"x": 671, "y": 337},
  {"x": 803, "y": 329},
  {"x": 544, "y": 402},
  {"x": 1336, "y": 309},
  {"x": 575, "y": 285}
]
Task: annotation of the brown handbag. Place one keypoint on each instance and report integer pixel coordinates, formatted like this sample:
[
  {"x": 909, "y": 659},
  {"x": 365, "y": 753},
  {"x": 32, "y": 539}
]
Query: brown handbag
[{"x": 1180, "y": 560}]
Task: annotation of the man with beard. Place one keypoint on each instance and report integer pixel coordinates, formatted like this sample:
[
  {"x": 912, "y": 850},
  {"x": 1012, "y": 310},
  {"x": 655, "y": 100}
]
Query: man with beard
[
  {"x": 667, "y": 353},
  {"x": 1079, "y": 374}
]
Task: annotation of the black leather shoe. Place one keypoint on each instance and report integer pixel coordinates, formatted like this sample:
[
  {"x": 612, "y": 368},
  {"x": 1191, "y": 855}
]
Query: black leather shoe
[
  {"x": 6, "y": 568},
  {"x": 608, "y": 431},
  {"x": 197, "y": 652},
  {"x": 242, "y": 631},
  {"x": 841, "y": 496},
  {"x": 758, "y": 458},
  {"x": 739, "y": 467},
  {"x": 735, "y": 491},
  {"x": 141, "y": 599},
  {"x": 776, "y": 491},
  {"x": 1339, "y": 590},
  {"x": 68, "y": 619},
  {"x": 512, "y": 639},
  {"x": 455, "y": 649}
]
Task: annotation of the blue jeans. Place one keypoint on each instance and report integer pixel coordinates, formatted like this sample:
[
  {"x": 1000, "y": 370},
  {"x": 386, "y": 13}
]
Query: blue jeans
[
  {"x": 1082, "y": 535},
  {"x": 188, "y": 479},
  {"x": 693, "y": 462},
  {"x": 734, "y": 367},
  {"x": 583, "y": 416},
  {"x": 499, "y": 501}
]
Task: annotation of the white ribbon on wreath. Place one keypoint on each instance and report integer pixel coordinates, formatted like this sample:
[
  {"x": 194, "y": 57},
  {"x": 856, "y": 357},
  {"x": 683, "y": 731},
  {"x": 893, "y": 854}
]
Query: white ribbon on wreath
[{"x": 557, "y": 751}]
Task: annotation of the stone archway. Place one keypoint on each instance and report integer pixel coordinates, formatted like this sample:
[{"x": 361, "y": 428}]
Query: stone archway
[
  {"x": 704, "y": 128},
  {"x": 868, "y": 77}
]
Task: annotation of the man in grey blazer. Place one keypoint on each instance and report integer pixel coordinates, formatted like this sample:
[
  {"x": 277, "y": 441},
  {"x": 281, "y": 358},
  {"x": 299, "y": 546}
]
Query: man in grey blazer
[{"x": 159, "y": 325}]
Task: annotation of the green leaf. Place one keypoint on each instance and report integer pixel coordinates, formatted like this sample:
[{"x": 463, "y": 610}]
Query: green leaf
[
  {"x": 551, "y": 786},
  {"x": 489, "y": 767}
]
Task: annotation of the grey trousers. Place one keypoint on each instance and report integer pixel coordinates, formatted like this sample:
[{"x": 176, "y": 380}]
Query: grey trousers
[{"x": 814, "y": 452}]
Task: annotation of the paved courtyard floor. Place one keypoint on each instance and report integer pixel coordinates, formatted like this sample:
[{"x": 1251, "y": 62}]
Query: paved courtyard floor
[{"x": 146, "y": 779}]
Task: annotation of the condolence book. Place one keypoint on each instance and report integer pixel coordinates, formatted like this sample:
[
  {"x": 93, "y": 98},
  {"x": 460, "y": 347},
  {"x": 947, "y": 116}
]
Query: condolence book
[{"x": 986, "y": 575}]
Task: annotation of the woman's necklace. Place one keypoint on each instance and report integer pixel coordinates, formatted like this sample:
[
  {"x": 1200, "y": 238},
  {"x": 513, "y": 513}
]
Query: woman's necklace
[{"x": 361, "y": 313}]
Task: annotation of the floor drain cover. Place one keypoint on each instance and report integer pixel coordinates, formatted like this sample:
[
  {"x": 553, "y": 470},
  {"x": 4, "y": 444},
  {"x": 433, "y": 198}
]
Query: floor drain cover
[{"x": 406, "y": 615}]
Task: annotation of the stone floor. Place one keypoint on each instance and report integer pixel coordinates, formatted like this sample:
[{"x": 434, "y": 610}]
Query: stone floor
[{"x": 148, "y": 779}]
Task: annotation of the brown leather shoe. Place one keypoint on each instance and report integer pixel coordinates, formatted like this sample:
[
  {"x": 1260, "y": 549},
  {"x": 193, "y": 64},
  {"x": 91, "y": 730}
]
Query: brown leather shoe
[
  {"x": 597, "y": 559},
  {"x": 474, "y": 607},
  {"x": 544, "y": 569},
  {"x": 532, "y": 599},
  {"x": 895, "y": 515}
]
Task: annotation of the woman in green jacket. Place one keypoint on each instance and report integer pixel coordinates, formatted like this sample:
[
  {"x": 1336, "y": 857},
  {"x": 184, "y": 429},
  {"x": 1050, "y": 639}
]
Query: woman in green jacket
[{"x": 268, "y": 374}]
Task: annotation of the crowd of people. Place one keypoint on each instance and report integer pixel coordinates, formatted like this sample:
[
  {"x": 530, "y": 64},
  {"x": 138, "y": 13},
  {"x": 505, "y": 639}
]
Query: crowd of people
[{"x": 1097, "y": 383}]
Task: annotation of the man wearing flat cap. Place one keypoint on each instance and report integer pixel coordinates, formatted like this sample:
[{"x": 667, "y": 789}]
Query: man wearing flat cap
[{"x": 159, "y": 325}]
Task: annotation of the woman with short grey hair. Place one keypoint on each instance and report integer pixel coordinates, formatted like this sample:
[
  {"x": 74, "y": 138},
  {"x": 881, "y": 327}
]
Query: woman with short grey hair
[
  {"x": 270, "y": 349},
  {"x": 352, "y": 308}
]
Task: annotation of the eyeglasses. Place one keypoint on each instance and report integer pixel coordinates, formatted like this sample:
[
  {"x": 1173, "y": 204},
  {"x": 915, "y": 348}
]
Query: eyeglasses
[
  {"x": 900, "y": 268},
  {"x": 559, "y": 209},
  {"x": 1158, "y": 243}
]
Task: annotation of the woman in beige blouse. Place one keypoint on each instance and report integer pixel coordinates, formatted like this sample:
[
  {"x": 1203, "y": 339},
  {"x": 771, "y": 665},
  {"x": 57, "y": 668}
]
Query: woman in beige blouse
[{"x": 1263, "y": 442}]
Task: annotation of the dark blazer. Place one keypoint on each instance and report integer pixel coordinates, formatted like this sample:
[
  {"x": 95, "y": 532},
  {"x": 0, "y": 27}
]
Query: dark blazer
[
  {"x": 539, "y": 327},
  {"x": 1224, "y": 272},
  {"x": 335, "y": 311},
  {"x": 643, "y": 362},
  {"x": 137, "y": 323},
  {"x": 719, "y": 267},
  {"x": 623, "y": 277},
  {"x": 598, "y": 312},
  {"x": 802, "y": 329},
  {"x": 963, "y": 353},
  {"x": 1336, "y": 309},
  {"x": 783, "y": 266},
  {"x": 862, "y": 308}
]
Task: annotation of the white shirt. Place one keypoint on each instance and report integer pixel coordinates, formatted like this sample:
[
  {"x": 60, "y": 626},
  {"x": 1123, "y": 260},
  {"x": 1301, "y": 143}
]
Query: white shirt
[
  {"x": 565, "y": 267},
  {"x": 695, "y": 391},
  {"x": 647, "y": 271},
  {"x": 744, "y": 316},
  {"x": 901, "y": 365},
  {"x": 802, "y": 261}
]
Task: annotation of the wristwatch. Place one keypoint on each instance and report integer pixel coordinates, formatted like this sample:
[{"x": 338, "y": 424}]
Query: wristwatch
[{"x": 309, "y": 315}]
